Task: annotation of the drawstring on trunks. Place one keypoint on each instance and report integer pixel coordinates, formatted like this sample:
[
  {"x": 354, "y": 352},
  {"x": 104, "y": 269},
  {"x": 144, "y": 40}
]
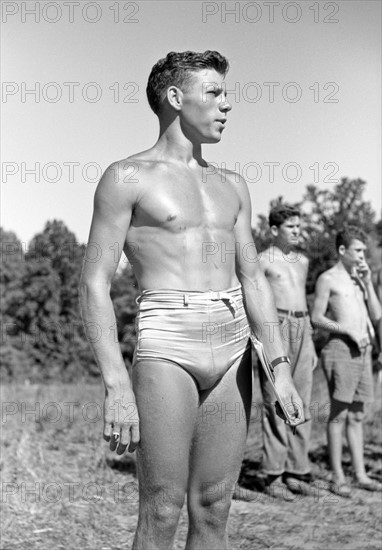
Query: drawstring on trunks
[
  {"x": 189, "y": 297},
  {"x": 214, "y": 296}
]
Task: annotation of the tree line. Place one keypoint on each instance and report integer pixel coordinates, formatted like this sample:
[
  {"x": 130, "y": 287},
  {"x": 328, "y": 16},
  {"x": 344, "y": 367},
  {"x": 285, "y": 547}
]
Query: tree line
[{"x": 43, "y": 339}]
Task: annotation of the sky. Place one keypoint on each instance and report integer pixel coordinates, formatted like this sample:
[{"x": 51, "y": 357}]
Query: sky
[{"x": 304, "y": 84}]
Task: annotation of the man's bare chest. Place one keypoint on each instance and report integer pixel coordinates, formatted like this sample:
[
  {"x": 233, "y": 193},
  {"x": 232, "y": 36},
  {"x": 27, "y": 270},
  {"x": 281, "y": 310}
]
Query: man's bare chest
[
  {"x": 348, "y": 291},
  {"x": 289, "y": 271},
  {"x": 181, "y": 205}
]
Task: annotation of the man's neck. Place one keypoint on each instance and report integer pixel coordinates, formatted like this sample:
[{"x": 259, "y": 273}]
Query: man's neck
[
  {"x": 284, "y": 248},
  {"x": 345, "y": 268},
  {"x": 173, "y": 144}
]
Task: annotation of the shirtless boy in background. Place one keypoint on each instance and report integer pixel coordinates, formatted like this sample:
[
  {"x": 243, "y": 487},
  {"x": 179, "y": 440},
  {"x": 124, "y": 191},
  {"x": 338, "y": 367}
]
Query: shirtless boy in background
[
  {"x": 192, "y": 339},
  {"x": 345, "y": 303},
  {"x": 286, "y": 269}
]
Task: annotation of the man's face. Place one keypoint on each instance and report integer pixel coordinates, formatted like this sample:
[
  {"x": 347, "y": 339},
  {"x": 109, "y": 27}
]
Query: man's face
[
  {"x": 354, "y": 254},
  {"x": 288, "y": 233},
  {"x": 204, "y": 107}
]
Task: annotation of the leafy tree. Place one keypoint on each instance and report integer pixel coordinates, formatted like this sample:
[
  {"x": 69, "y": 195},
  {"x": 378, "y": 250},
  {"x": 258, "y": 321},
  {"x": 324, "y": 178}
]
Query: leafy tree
[
  {"x": 58, "y": 246},
  {"x": 12, "y": 265},
  {"x": 43, "y": 335},
  {"x": 13, "y": 355}
]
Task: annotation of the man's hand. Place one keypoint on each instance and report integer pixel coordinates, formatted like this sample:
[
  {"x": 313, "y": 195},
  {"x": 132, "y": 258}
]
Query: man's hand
[
  {"x": 361, "y": 341},
  {"x": 121, "y": 422},
  {"x": 288, "y": 393},
  {"x": 363, "y": 272}
]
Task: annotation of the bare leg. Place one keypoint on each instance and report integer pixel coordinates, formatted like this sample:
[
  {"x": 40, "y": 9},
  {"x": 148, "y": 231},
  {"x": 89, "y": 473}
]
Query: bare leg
[
  {"x": 217, "y": 452},
  {"x": 167, "y": 399},
  {"x": 337, "y": 418},
  {"x": 354, "y": 432}
]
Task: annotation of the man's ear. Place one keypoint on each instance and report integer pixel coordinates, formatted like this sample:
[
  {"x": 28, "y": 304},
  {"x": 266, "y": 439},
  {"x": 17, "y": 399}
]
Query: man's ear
[
  {"x": 274, "y": 230},
  {"x": 341, "y": 249},
  {"x": 175, "y": 97}
]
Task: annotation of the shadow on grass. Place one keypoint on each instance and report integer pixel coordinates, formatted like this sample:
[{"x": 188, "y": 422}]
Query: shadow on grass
[
  {"x": 252, "y": 477},
  {"x": 125, "y": 463}
]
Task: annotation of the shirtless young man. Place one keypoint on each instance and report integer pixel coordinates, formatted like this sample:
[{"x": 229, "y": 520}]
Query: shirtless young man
[
  {"x": 345, "y": 303},
  {"x": 286, "y": 269},
  {"x": 192, "y": 365}
]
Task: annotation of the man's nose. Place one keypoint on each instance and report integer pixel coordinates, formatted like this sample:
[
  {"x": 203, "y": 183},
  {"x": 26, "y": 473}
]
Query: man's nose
[{"x": 225, "y": 105}]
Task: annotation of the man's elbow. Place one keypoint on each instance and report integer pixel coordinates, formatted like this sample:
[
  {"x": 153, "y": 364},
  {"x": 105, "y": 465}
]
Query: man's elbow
[
  {"x": 376, "y": 318},
  {"x": 250, "y": 284},
  {"x": 316, "y": 318},
  {"x": 92, "y": 286}
]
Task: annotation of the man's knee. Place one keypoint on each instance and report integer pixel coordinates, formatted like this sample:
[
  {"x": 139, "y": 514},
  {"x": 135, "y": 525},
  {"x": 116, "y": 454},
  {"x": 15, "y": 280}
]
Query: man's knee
[
  {"x": 163, "y": 505},
  {"x": 355, "y": 416},
  {"x": 210, "y": 507},
  {"x": 338, "y": 411}
]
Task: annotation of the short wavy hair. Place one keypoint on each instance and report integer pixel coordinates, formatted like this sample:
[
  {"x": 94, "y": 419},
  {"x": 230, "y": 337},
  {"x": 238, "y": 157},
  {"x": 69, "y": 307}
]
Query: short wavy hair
[
  {"x": 176, "y": 70},
  {"x": 282, "y": 212},
  {"x": 348, "y": 234}
]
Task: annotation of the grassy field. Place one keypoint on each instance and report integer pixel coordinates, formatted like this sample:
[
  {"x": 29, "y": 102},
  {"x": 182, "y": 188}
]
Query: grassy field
[{"x": 63, "y": 489}]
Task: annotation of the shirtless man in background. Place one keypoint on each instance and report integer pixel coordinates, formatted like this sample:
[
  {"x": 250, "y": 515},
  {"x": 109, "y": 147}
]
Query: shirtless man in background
[
  {"x": 192, "y": 360},
  {"x": 345, "y": 302},
  {"x": 286, "y": 269}
]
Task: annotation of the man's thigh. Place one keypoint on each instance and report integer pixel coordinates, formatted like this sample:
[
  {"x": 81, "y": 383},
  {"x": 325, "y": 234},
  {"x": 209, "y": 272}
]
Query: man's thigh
[
  {"x": 167, "y": 400},
  {"x": 301, "y": 352},
  {"x": 221, "y": 430},
  {"x": 343, "y": 369}
]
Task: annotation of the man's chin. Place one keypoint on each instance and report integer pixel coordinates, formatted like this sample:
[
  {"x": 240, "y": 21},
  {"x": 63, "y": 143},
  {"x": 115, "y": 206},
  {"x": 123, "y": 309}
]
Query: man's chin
[{"x": 213, "y": 139}]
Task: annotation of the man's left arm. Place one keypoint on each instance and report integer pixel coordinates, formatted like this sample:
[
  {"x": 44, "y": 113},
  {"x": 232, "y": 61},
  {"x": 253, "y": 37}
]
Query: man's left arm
[
  {"x": 314, "y": 353},
  {"x": 259, "y": 302},
  {"x": 373, "y": 305}
]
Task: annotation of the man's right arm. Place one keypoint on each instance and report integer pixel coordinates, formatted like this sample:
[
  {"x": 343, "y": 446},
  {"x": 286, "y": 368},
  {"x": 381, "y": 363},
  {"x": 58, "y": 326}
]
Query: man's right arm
[
  {"x": 113, "y": 203},
  {"x": 321, "y": 302},
  {"x": 260, "y": 305},
  {"x": 320, "y": 306}
]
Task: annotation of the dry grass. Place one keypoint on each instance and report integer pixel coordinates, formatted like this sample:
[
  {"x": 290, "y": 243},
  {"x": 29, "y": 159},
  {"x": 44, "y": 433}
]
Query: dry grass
[{"x": 62, "y": 488}]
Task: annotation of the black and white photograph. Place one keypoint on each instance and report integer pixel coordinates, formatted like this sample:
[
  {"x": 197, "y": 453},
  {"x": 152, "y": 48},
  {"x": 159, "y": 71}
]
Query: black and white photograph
[{"x": 191, "y": 275}]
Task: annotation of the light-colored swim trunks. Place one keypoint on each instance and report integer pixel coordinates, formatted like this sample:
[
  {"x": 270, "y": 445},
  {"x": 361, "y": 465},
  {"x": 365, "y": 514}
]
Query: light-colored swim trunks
[{"x": 205, "y": 333}]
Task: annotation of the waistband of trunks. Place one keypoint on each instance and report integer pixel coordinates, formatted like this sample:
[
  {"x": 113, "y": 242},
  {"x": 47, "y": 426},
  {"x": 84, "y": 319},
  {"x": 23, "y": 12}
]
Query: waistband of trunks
[
  {"x": 185, "y": 297},
  {"x": 292, "y": 313}
]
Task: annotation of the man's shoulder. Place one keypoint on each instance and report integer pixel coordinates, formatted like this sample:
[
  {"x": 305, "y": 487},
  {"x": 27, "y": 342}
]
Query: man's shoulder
[
  {"x": 271, "y": 259},
  {"x": 232, "y": 177},
  {"x": 328, "y": 277},
  {"x": 134, "y": 163},
  {"x": 267, "y": 254},
  {"x": 303, "y": 259},
  {"x": 131, "y": 174},
  {"x": 119, "y": 182},
  {"x": 236, "y": 181}
]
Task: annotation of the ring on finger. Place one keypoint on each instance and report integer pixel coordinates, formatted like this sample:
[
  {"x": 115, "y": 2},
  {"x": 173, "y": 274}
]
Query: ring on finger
[{"x": 116, "y": 436}]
